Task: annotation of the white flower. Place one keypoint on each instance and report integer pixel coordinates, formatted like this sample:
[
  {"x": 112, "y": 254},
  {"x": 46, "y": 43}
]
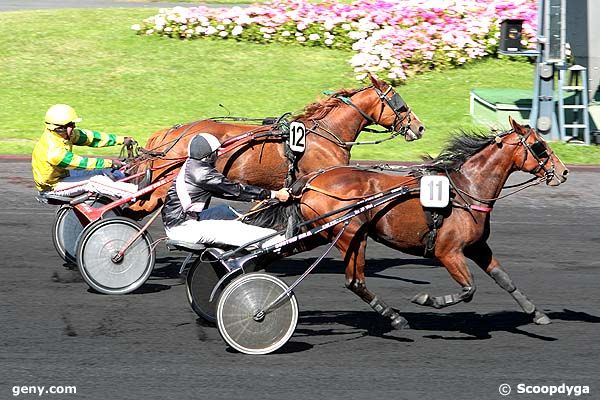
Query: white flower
[
  {"x": 220, "y": 27},
  {"x": 328, "y": 42},
  {"x": 329, "y": 25},
  {"x": 314, "y": 36},
  {"x": 223, "y": 33},
  {"x": 286, "y": 33},
  {"x": 243, "y": 19},
  {"x": 301, "y": 39},
  {"x": 346, "y": 27},
  {"x": 210, "y": 30},
  {"x": 267, "y": 36},
  {"x": 149, "y": 31},
  {"x": 355, "y": 35},
  {"x": 136, "y": 27},
  {"x": 237, "y": 30}
]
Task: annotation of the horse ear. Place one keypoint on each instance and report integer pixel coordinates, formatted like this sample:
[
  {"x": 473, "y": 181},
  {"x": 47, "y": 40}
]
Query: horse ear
[
  {"x": 374, "y": 81},
  {"x": 515, "y": 125}
]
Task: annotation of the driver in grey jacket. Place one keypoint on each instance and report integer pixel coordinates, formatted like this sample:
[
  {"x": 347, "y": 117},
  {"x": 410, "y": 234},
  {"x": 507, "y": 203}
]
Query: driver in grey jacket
[{"x": 186, "y": 215}]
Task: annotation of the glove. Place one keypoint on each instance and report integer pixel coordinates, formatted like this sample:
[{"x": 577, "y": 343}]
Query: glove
[
  {"x": 117, "y": 164},
  {"x": 282, "y": 195},
  {"x": 129, "y": 141}
]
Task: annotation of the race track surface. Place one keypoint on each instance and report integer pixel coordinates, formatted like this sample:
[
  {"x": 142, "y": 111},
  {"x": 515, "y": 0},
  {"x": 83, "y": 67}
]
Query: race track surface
[{"x": 150, "y": 344}]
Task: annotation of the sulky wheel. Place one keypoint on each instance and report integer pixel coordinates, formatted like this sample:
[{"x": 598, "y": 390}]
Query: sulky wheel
[
  {"x": 98, "y": 260},
  {"x": 201, "y": 279},
  {"x": 239, "y": 317},
  {"x": 67, "y": 227}
]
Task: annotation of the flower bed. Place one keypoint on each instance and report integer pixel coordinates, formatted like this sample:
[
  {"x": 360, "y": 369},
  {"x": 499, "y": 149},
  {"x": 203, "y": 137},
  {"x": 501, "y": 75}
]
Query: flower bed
[{"x": 391, "y": 38}]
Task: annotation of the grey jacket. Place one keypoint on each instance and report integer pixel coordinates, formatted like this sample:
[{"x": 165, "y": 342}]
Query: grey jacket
[{"x": 196, "y": 183}]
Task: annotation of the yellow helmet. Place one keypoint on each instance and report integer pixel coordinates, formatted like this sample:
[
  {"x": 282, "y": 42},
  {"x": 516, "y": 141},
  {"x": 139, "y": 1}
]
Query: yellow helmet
[{"x": 60, "y": 115}]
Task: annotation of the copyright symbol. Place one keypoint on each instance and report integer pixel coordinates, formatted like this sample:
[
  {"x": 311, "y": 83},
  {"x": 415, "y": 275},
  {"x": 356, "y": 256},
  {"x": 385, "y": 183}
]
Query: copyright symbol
[{"x": 504, "y": 389}]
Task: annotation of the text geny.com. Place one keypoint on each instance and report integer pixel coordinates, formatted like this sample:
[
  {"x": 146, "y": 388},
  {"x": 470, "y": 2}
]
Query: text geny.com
[{"x": 41, "y": 390}]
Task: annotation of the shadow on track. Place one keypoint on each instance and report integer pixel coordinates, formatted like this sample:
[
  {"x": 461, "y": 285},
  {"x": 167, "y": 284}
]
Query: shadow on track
[{"x": 476, "y": 326}]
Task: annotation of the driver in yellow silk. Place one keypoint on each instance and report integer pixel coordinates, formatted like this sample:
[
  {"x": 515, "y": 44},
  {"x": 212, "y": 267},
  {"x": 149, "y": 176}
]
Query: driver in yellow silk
[{"x": 52, "y": 160}]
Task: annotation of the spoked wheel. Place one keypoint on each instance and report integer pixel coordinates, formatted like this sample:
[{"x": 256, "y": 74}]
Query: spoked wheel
[
  {"x": 98, "y": 260},
  {"x": 67, "y": 228},
  {"x": 240, "y": 319},
  {"x": 201, "y": 279}
]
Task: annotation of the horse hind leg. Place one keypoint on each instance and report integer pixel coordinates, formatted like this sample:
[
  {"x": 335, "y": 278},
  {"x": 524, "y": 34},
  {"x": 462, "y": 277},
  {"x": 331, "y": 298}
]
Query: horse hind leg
[
  {"x": 458, "y": 269},
  {"x": 486, "y": 261},
  {"x": 354, "y": 257}
]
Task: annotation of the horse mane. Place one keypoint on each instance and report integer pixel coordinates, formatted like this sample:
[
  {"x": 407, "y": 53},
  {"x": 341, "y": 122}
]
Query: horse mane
[
  {"x": 460, "y": 148},
  {"x": 319, "y": 109}
]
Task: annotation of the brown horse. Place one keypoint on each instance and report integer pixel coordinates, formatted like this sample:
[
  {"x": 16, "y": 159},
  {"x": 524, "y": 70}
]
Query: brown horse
[
  {"x": 477, "y": 167},
  {"x": 332, "y": 125}
]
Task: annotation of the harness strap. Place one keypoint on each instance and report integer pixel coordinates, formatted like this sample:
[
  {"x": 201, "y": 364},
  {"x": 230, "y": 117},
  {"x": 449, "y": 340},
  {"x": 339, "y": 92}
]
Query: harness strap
[
  {"x": 483, "y": 209},
  {"x": 434, "y": 222}
]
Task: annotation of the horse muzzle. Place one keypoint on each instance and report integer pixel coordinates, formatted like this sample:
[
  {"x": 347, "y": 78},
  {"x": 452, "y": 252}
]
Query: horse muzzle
[
  {"x": 555, "y": 178},
  {"x": 414, "y": 133}
]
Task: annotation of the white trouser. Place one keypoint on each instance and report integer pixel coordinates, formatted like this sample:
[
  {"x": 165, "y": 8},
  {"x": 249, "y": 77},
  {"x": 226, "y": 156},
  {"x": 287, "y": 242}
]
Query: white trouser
[
  {"x": 217, "y": 231},
  {"x": 72, "y": 186}
]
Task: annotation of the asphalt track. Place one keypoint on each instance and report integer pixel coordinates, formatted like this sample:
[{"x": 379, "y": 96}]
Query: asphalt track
[{"x": 150, "y": 344}]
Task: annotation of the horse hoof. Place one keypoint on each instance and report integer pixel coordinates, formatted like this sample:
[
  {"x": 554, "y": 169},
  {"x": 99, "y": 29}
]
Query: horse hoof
[
  {"x": 539, "y": 318},
  {"x": 400, "y": 323},
  {"x": 422, "y": 299}
]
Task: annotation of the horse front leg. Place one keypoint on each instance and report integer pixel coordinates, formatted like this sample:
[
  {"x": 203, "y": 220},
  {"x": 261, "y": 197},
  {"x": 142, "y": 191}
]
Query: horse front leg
[
  {"x": 456, "y": 265},
  {"x": 352, "y": 246},
  {"x": 482, "y": 255}
]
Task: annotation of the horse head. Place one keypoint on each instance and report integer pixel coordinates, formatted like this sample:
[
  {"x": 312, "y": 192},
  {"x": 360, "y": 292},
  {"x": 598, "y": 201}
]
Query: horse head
[
  {"x": 394, "y": 113},
  {"x": 537, "y": 157}
]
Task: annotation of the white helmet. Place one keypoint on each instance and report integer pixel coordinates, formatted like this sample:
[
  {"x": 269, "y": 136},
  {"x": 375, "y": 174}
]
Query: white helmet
[{"x": 202, "y": 146}]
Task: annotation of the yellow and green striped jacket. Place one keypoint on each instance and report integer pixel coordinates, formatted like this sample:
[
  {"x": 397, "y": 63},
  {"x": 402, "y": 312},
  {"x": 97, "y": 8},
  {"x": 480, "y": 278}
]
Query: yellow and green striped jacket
[{"x": 52, "y": 155}]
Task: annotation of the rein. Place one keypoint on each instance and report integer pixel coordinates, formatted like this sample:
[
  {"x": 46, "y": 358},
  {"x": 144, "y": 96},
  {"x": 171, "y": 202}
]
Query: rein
[{"x": 308, "y": 186}]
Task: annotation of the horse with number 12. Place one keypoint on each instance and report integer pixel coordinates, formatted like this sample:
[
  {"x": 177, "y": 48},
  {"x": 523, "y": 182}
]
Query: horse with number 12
[{"x": 319, "y": 138}]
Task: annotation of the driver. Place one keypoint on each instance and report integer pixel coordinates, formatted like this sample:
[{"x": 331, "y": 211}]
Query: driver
[
  {"x": 53, "y": 162},
  {"x": 186, "y": 215}
]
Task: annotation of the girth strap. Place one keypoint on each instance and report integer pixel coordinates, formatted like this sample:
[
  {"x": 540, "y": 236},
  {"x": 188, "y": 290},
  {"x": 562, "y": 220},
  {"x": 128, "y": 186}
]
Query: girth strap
[{"x": 434, "y": 222}]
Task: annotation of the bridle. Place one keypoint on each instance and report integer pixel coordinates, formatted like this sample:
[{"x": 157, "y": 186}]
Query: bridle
[
  {"x": 401, "y": 123},
  {"x": 397, "y": 104},
  {"x": 539, "y": 151}
]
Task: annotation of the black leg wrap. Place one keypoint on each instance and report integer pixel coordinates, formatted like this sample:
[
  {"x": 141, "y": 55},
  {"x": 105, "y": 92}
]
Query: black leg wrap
[
  {"x": 523, "y": 301},
  {"x": 425, "y": 299},
  {"x": 445, "y": 301},
  {"x": 502, "y": 279},
  {"x": 398, "y": 322}
]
